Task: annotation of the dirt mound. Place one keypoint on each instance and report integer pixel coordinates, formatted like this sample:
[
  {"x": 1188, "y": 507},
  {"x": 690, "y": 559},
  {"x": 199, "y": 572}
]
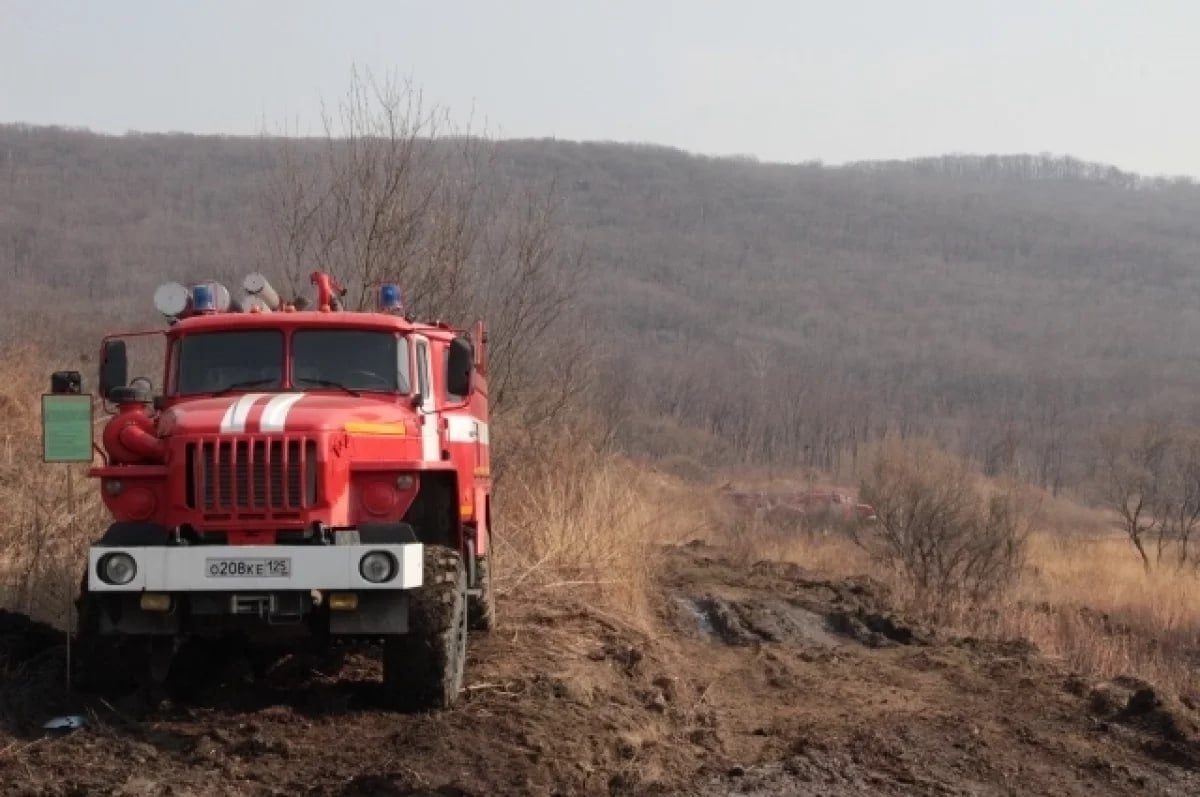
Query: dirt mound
[
  {"x": 23, "y": 639},
  {"x": 32, "y": 672},
  {"x": 1165, "y": 726},
  {"x": 763, "y": 680},
  {"x": 759, "y": 620},
  {"x": 784, "y": 603}
]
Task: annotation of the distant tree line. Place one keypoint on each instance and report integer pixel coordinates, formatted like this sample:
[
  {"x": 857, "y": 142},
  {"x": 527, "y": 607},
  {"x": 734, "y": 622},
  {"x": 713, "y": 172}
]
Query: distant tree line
[{"x": 1009, "y": 307}]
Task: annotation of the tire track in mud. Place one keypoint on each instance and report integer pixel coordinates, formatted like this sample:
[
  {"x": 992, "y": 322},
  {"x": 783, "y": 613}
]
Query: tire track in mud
[
  {"x": 827, "y": 691},
  {"x": 754, "y": 621}
]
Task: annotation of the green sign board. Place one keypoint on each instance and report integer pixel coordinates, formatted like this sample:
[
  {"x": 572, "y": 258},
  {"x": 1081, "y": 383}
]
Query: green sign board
[{"x": 66, "y": 428}]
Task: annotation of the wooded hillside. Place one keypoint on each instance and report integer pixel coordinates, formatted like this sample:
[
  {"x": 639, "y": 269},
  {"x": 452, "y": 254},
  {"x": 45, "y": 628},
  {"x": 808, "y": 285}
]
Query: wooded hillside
[{"x": 761, "y": 312}]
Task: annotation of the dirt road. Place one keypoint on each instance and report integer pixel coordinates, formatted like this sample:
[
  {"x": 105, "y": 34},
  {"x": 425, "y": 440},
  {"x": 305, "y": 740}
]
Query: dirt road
[{"x": 759, "y": 681}]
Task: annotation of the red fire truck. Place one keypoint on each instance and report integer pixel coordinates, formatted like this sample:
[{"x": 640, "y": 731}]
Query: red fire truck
[{"x": 305, "y": 474}]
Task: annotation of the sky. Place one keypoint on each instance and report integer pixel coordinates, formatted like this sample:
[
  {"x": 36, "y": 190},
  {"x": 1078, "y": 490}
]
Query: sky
[{"x": 781, "y": 80}]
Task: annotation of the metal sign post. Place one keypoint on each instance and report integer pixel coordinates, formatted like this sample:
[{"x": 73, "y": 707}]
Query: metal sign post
[{"x": 67, "y": 423}]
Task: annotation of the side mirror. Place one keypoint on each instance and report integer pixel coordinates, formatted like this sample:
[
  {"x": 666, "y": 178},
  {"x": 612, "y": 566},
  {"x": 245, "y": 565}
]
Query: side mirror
[
  {"x": 114, "y": 367},
  {"x": 459, "y": 364},
  {"x": 62, "y": 382}
]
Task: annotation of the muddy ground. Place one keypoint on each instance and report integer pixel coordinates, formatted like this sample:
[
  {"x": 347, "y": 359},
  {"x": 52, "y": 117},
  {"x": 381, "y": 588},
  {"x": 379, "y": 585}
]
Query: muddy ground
[{"x": 758, "y": 681}]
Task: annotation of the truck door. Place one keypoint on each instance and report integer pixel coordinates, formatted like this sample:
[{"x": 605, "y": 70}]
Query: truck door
[{"x": 430, "y": 446}]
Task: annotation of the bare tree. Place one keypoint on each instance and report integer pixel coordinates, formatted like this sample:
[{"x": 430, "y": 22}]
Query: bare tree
[
  {"x": 396, "y": 192},
  {"x": 1134, "y": 480},
  {"x": 1187, "y": 516},
  {"x": 1177, "y": 508}
]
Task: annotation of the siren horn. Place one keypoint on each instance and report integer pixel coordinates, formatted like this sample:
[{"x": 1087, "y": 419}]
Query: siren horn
[{"x": 257, "y": 286}]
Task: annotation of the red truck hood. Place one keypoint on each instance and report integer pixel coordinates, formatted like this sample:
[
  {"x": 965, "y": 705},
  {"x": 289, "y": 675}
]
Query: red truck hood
[{"x": 278, "y": 413}]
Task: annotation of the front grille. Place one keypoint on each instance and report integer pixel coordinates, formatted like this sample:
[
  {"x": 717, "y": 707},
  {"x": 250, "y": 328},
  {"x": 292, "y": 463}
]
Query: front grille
[{"x": 252, "y": 475}]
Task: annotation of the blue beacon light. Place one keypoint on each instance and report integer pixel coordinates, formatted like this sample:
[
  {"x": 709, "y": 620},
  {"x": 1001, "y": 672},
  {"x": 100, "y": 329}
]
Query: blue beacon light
[
  {"x": 389, "y": 298},
  {"x": 203, "y": 300}
]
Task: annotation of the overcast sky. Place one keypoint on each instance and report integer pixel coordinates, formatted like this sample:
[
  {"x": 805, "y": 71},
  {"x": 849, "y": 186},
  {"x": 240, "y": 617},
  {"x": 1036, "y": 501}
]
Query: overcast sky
[{"x": 784, "y": 80}]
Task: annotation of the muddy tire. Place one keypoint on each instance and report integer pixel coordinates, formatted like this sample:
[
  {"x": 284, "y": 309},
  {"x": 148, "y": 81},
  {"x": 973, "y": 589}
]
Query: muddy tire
[
  {"x": 423, "y": 669},
  {"x": 195, "y": 667},
  {"x": 104, "y": 664},
  {"x": 482, "y": 607}
]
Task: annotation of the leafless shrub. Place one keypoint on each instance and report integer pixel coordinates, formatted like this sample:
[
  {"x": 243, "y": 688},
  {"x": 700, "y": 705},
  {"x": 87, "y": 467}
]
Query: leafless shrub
[
  {"x": 951, "y": 535},
  {"x": 1149, "y": 476}
]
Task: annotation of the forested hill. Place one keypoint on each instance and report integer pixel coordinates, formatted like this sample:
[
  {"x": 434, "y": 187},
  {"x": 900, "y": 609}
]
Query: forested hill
[{"x": 1012, "y": 304}]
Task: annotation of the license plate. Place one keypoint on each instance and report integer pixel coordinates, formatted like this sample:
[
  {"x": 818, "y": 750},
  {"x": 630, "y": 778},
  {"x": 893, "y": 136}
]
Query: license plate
[{"x": 265, "y": 567}]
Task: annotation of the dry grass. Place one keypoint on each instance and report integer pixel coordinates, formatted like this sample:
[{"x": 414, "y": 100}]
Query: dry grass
[
  {"x": 1091, "y": 602},
  {"x": 587, "y": 522},
  {"x": 50, "y": 511},
  {"x": 1082, "y": 597},
  {"x": 781, "y": 480},
  {"x": 1064, "y": 517},
  {"x": 752, "y": 539}
]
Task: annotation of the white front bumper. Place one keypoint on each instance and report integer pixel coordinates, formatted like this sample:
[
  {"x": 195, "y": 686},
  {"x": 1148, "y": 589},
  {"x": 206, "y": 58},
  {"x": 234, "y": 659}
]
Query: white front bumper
[{"x": 326, "y": 567}]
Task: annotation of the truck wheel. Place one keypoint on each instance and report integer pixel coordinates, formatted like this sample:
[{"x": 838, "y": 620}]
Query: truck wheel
[
  {"x": 483, "y": 606},
  {"x": 192, "y": 667},
  {"x": 100, "y": 663},
  {"x": 423, "y": 669}
]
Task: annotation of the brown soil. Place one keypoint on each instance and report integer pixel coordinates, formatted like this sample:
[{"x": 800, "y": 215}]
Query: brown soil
[{"x": 758, "y": 681}]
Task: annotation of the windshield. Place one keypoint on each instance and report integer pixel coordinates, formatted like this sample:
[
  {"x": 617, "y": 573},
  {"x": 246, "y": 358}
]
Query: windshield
[
  {"x": 348, "y": 359},
  {"x": 218, "y": 361}
]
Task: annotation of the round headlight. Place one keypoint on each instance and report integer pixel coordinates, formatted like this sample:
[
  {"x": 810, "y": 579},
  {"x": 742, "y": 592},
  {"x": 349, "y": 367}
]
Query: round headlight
[
  {"x": 378, "y": 498},
  {"x": 117, "y": 568},
  {"x": 377, "y": 567},
  {"x": 139, "y": 503}
]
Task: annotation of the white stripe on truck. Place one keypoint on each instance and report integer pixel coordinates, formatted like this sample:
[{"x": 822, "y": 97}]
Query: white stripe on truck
[
  {"x": 274, "y": 417},
  {"x": 465, "y": 429},
  {"x": 234, "y": 421}
]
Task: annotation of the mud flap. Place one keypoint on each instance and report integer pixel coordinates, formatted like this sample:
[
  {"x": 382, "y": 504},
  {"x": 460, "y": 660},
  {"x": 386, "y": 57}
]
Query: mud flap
[
  {"x": 128, "y": 618},
  {"x": 377, "y": 613}
]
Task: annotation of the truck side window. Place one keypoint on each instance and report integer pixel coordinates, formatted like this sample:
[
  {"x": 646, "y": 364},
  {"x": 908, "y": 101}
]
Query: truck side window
[{"x": 172, "y": 369}]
